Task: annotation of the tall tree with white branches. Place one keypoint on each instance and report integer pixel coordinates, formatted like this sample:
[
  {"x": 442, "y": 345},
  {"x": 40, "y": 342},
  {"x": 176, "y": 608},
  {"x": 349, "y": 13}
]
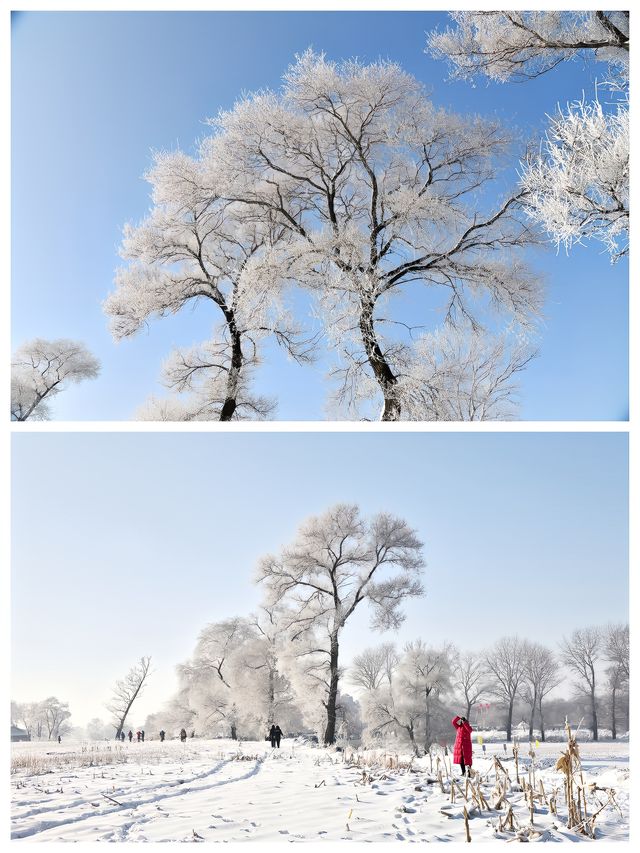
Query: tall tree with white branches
[
  {"x": 338, "y": 561},
  {"x": 576, "y": 186},
  {"x": 378, "y": 192},
  {"x": 40, "y": 369},
  {"x": 195, "y": 247},
  {"x": 580, "y": 654}
]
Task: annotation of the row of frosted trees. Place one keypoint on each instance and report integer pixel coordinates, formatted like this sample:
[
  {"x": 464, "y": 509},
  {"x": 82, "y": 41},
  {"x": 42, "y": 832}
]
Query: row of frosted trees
[
  {"x": 412, "y": 692},
  {"x": 284, "y": 663}
]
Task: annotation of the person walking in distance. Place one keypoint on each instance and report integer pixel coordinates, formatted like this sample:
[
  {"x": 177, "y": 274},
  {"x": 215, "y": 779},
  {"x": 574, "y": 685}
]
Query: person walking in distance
[
  {"x": 462, "y": 749},
  {"x": 272, "y": 735},
  {"x": 183, "y": 735},
  {"x": 162, "y": 734},
  {"x": 130, "y": 735},
  {"x": 278, "y": 733}
]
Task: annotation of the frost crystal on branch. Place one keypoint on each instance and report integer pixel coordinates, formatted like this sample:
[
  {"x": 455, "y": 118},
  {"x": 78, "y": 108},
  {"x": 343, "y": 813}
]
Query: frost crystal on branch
[{"x": 578, "y": 185}]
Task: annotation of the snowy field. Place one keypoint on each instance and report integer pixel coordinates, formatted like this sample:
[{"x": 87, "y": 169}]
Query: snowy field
[{"x": 218, "y": 790}]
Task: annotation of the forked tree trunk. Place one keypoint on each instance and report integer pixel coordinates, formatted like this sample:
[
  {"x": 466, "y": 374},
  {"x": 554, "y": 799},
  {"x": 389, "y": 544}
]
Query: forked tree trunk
[{"x": 330, "y": 731}]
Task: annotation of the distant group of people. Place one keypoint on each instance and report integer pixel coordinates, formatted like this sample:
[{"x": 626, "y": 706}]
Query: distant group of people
[
  {"x": 139, "y": 736},
  {"x": 275, "y": 734}
]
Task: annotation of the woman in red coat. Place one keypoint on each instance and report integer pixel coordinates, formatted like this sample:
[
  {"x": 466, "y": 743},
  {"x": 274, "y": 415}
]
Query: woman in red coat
[{"x": 462, "y": 749}]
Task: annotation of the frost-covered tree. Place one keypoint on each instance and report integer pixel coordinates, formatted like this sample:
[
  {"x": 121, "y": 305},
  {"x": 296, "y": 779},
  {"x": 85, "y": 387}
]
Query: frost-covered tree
[
  {"x": 337, "y": 561},
  {"x": 195, "y": 246},
  {"x": 210, "y": 674},
  {"x": 460, "y": 374},
  {"x": 541, "y": 676},
  {"x": 616, "y": 647},
  {"x": 374, "y": 666},
  {"x": 407, "y": 706},
  {"x": 379, "y": 193},
  {"x": 30, "y": 716},
  {"x": 127, "y": 690},
  {"x": 506, "y": 662},
  {"x": 234, "y": 683},
  {"x": 56, "y": 713},
  {"x": 517, "y": 45},
  {"x": 616, "y": 652},
  {"x": 429, "y": 673},
  {"x": 577, "y": 184},
  {"x": 580, "y": 653},
  {"x": 40, "y": 369},
  {"x": 469, "y": 677}
]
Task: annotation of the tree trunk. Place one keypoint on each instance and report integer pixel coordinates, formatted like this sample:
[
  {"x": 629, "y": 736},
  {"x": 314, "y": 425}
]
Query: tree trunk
[
  {"x": 234, "y": 732},
  {"x": 427, "y": 721},
  {"x": 594, "y": 716},
  {"x": 541, "y": 721},
  {"x": 468, "y": 714},
  {"x": 412, "y": 738},
  {"x": 385, "y": 377},
  {"x": 233, "y": 378},
  {"x": 614, "y": 733},
  {"x": 272, "y": 695},
  {"x": 533, "y": 710},
  {"x": 330, "y": 732},
  {"x": 509, "y": 720}
]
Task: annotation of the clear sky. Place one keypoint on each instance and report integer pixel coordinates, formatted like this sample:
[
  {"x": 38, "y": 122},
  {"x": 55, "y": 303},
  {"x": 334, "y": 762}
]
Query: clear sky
[
  {"x": 126, "y": 544},
  {"x": 92, "y": 95}
]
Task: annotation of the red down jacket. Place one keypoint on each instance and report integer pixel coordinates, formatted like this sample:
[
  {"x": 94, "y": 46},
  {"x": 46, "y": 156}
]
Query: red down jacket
[{"x": 462, "y": 747}]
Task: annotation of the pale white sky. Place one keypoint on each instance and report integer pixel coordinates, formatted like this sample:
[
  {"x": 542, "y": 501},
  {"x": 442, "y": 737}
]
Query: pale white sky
[{"x": 126, "y": 544}]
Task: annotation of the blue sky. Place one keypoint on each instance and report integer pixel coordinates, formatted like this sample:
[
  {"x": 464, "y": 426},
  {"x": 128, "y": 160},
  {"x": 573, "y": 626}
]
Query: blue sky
[
  {"x": 92, "y": 95},
  {"x": 126, "y": 544}
]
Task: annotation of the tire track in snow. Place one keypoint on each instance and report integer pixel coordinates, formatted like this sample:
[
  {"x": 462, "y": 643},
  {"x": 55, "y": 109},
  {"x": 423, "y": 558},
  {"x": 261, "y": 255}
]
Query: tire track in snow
[
  {"x": 124, "y": 791},
  {"x": 43, "y": 826}
]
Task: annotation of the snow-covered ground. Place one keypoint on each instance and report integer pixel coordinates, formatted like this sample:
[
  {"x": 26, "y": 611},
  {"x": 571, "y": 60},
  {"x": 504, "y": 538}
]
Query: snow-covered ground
[{"x": 218, "y": 790}]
